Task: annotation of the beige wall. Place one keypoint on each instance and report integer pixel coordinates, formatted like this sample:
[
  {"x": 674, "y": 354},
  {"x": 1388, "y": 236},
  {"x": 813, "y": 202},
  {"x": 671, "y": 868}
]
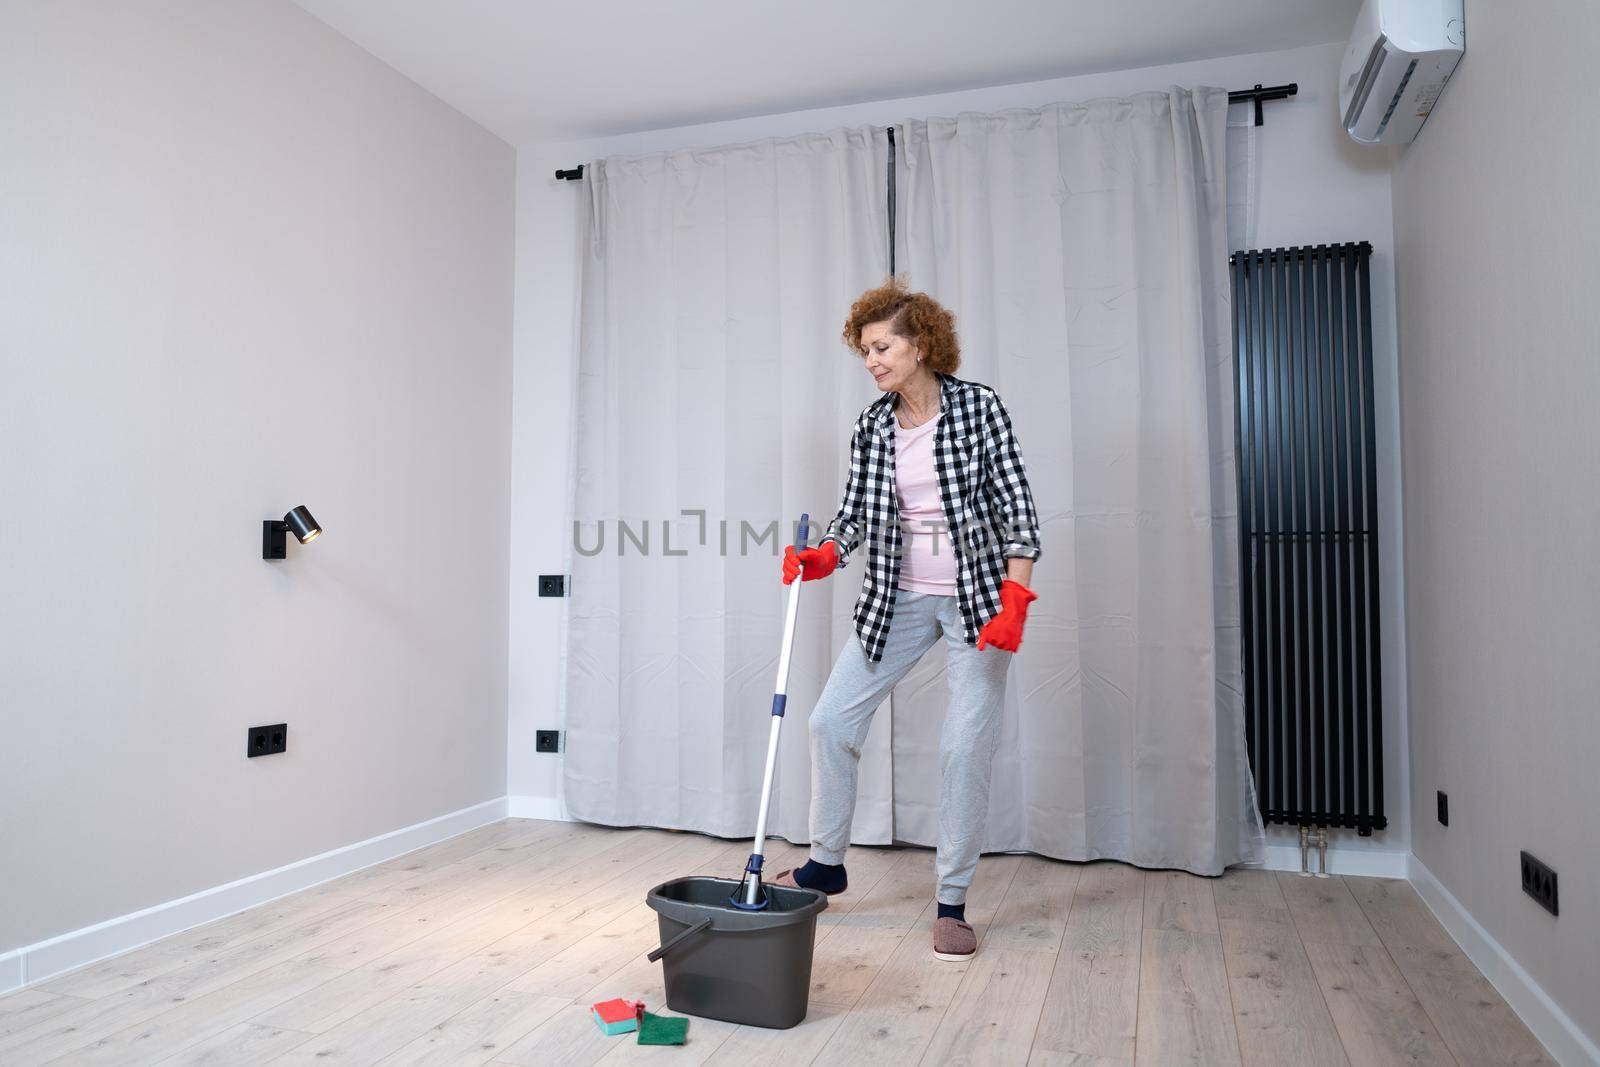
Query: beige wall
[
  {"x": 1497, "y": 246},
  {"x": 243, "y": 266}
]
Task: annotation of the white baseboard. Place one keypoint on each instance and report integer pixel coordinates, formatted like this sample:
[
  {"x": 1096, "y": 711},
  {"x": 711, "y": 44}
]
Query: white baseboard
[
  {"x": 34, "y": 963},
  {"x": 1366, "y": 862},
  {"x": 1553, "y": 1027},
  {"x": 537, "y": 808}
]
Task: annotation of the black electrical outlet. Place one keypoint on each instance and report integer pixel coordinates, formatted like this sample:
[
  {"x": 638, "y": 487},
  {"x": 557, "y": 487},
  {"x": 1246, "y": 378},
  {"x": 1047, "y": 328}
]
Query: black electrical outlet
[
  {"x": 266, "y": 740},
  {"x": 552, "y": 585},
  {"x": 1444, "y": 808},
  {"x": 1539, "y": 882},
  {"x": 547, "y": 741}
]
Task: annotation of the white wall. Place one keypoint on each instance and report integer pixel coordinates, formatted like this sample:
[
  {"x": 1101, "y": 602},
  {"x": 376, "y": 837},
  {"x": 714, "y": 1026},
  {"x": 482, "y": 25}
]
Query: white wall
[
  {"x": 1497, "y": 228},
  {"x": 243, "y": 266},
  {"x": 1317, "y": 187}
]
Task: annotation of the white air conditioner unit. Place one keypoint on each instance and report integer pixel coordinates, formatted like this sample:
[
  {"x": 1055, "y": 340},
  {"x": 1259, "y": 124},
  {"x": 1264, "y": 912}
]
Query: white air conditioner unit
[{"x": 1400, "y": 55}]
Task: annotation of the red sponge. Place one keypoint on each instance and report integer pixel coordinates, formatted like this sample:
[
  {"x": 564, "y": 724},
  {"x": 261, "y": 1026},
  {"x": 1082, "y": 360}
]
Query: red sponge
[{"x": 618, "y": 1016}]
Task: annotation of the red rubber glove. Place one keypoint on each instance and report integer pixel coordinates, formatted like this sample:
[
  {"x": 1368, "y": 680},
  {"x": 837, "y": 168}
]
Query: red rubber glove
[
  {"x": 1004, "y": 631},
  {"x": 818, "y": 562}
]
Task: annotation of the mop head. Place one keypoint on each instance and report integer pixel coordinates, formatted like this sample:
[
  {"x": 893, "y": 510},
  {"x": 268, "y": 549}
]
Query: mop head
[
  {"x": 762, "y": 900},
  {"x": 663, "y": 1030}
]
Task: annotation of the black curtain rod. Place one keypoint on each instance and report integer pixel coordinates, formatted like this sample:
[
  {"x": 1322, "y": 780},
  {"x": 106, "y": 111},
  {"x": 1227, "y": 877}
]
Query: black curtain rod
[{"x": 1259, "y": 94}]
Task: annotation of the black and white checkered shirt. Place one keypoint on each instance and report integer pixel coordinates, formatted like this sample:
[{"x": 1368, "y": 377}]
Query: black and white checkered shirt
[{"x": 988, "y": 507}]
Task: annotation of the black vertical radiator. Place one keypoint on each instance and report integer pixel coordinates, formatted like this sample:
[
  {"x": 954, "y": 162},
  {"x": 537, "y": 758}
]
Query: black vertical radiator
[{"x": 1308, "y": 535}]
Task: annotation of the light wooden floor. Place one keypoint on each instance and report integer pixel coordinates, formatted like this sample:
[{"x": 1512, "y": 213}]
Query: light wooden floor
[{"x": 489, "y": 947}]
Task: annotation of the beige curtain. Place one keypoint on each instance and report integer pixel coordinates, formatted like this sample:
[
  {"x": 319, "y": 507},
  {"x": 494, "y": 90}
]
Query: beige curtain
[
  {"x": 1083, "y": 250},
  {"x": 712, "y": 380}
]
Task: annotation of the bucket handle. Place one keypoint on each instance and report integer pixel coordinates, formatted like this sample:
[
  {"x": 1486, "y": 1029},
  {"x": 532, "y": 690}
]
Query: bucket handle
[{"x": 656, "y": 954}]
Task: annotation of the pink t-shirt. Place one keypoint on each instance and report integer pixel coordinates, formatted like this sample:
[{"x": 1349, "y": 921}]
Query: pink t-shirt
[{"x": 929, "y": 562}]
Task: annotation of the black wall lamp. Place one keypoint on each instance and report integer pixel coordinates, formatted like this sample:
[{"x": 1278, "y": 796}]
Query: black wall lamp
[{"x": 273, "y": 543}]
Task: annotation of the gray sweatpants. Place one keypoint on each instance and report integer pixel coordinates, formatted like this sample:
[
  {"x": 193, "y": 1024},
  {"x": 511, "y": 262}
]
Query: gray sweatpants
[{"x": 843, "y": 714}]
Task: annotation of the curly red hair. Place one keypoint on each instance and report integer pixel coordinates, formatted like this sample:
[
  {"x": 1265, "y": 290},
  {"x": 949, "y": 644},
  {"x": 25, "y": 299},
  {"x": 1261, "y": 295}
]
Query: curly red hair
[{"x": 917, "y": 317}]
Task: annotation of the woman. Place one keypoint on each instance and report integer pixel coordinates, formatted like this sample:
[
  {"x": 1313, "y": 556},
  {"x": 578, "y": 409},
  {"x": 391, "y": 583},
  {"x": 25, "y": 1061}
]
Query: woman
[{"x": 938, "y": 490}]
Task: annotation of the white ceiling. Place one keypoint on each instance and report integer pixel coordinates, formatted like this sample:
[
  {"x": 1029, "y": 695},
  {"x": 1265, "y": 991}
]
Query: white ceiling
[{"x": 536, "y": 70}]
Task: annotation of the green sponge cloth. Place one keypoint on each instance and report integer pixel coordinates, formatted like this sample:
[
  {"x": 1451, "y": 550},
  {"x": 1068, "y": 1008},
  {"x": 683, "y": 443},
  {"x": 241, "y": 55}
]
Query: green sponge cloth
[{"x": 662, "y": 1030}]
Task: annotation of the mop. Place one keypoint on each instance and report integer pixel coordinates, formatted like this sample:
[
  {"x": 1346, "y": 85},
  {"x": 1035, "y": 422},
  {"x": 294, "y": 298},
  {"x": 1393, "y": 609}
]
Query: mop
[
  {"x": 731, "y": 949},
  {"x": 751, "y": 895}
]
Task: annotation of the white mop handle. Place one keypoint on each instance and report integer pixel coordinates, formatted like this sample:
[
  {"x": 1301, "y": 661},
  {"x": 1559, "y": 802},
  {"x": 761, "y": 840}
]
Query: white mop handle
[
  {"x": 780, "y": 693},
  {"x": 782, "y": 686}
]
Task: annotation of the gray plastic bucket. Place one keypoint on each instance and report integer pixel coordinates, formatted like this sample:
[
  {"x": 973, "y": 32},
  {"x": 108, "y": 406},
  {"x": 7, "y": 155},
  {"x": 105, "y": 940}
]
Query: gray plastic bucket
[{"x": 746, "y": 967}]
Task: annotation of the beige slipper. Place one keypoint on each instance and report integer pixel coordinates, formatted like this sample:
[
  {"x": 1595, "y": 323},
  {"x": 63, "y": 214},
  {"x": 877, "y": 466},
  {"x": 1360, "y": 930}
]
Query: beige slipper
[{"x": 953, "y": 939}]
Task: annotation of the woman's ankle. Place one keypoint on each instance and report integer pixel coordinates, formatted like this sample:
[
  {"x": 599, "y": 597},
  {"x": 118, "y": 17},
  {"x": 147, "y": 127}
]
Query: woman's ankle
[{"x": 826, "y": 877}]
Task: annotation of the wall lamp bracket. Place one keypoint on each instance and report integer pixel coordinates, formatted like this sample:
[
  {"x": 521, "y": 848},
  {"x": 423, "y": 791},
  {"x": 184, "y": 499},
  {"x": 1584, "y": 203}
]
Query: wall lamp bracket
[{"x": 274, "y": 542}]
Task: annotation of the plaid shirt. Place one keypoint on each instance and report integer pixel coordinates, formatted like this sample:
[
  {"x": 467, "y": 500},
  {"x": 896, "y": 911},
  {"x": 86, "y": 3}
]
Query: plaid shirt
[{"x": 988, "y": 507}]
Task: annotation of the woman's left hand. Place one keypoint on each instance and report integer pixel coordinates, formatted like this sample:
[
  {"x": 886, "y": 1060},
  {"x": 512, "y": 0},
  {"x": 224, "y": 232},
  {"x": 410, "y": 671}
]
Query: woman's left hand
[{"x": 1004, "y": 631}]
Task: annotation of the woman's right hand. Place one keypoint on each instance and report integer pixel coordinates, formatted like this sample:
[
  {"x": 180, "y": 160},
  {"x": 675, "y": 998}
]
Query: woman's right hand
[{"x": 809, "y": 563}]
